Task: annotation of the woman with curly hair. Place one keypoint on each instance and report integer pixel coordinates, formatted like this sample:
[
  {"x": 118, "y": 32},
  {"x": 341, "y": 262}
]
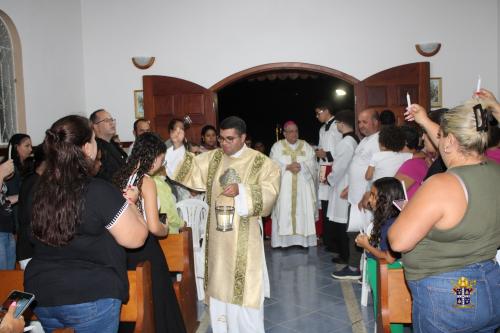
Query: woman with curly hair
[
  {"x": 145, "y": 160},
  {"x": 80, "y": 225},
  {"x": 382, "y": 193}
]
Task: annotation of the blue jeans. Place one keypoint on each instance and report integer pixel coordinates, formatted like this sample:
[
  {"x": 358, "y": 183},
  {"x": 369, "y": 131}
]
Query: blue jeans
[
  {"x": 101, "y": 316},
  {"x": 440, "y": 305},
  {"x": 7, "y": 250}
]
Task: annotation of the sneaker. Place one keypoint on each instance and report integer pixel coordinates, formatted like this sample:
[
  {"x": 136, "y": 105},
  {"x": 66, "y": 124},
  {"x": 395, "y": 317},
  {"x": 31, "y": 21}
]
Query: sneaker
[{"x": 347, "y": 274}]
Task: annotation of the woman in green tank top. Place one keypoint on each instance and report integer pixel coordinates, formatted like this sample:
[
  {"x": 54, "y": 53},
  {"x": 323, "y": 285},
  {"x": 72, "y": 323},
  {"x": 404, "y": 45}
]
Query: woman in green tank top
[{"x": 449, "y": 231}]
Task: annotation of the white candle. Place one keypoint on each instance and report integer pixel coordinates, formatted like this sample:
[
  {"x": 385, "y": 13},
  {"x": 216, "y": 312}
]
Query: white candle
[
  {"x": 408, "y": 101},
  {"x": 9, "y": 156},
  {"x": 404, "y": 190},
  {"x": 478, "y": 88}
]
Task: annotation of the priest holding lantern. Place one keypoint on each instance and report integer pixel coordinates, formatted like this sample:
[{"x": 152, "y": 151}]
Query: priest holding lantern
[{"x": 241, "y": 185}]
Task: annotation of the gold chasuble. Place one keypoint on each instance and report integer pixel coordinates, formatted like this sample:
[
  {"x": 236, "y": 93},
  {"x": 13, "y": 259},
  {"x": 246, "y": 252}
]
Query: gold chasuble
[{"x": 234, "y": 259}]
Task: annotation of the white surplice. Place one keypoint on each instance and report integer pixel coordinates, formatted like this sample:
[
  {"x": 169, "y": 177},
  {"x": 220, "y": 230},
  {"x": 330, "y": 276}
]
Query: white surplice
[
  {"x": 295, "y": 212},
  {"x": 328, "y": 140},
  {"x": 337, "y": 207}
]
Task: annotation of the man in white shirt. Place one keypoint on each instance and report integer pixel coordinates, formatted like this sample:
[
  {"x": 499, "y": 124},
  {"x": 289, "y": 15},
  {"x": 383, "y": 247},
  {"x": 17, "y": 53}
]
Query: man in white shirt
[
  {"x": 294, "y": 214},
  {"x": 329, "y": 137},
  {"x": 368, "y": 125}
]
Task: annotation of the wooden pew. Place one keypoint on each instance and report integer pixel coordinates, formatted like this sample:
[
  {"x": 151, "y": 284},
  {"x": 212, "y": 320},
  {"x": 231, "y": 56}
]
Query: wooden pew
[
  {"x": 139, "y": 308},
  {"x": 394, "y": 298},
  {"x": 178, "y": 250}
]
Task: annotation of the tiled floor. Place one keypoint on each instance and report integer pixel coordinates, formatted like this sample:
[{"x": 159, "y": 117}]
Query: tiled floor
[{"x": 304, "y": 298}]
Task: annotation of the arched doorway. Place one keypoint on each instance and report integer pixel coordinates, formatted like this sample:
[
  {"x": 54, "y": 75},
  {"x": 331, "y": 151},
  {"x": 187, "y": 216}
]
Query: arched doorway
[
  {"x": 167, "y": 97},
  {"x": 283, "y": 66},
  {"x": 268, "y": 95}
]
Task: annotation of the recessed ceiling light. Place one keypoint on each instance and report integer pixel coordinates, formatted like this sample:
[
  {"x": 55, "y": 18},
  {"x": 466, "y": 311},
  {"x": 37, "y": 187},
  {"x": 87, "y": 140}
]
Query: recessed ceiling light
[{"x": 340, "y": 92}]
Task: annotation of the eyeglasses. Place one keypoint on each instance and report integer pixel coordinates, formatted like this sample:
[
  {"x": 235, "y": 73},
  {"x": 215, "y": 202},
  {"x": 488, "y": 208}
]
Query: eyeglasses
[
  {"x": 229, "y": 139},
  {"x": 106, "y": 120}
]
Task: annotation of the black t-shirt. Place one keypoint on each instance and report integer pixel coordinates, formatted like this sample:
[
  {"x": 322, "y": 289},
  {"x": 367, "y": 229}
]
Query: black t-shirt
[
  {"x": 6, "y": 217},
  {"x": 24, "y": 247},
  {"x": 112, "y": 159},
  {"x": 93, "y": 265}
]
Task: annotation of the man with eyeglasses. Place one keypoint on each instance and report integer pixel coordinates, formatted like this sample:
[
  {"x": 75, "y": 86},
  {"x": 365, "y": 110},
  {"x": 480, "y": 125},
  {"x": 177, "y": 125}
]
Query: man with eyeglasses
[
  {"x": 295, "y": 212},
  {"x": 329, "y": 137},
  {"x": 112, "y": 156},
  {"x": 235, "y": 275}
]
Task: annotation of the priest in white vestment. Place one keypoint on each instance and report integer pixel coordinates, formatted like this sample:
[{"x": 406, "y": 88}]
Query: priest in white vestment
[
  {"x": 235, "y": 272},
  {"x": 295, "y": 212}
]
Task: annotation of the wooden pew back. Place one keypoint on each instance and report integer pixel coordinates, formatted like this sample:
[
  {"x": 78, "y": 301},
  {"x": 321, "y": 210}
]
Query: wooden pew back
[
  {"x": 178, "y": 250},
  {"x": 394, "y": 300},
  {"x": 139, "y": 308}
]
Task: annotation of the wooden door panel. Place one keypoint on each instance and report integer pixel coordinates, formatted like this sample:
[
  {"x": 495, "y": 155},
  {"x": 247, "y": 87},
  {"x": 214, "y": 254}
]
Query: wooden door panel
[
  {"x": 387, "y": 89},
  {"x": 166, "y": 98}
]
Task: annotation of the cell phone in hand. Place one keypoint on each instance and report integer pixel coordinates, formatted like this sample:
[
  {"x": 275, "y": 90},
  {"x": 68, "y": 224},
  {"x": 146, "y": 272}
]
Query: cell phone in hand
[{"x": 23, "y": 300}]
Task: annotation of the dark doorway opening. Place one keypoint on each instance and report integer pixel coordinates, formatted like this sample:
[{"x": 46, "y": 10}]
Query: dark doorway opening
[{"x": 267, "y": 100}]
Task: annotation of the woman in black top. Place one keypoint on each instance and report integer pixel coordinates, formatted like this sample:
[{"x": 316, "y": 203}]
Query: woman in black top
[
  {"x": 24, "y": 247},
  {"x": 145, "y": 160},
  {"x": 78, "y": 271}
]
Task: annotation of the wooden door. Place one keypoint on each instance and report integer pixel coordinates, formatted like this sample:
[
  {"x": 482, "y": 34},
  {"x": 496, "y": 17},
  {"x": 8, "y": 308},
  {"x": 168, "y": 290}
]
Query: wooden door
[
  {"x": 167, "y": 97},
  {"x": 387, "y": 89}
]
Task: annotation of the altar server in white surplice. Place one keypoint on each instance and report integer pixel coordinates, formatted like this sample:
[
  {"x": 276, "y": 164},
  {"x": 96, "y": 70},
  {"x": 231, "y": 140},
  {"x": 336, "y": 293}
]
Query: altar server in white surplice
[
  {"x": 338, "y": 207},
  {"x": 295, "y": 211},
  {"x": 329, "y": 137}
]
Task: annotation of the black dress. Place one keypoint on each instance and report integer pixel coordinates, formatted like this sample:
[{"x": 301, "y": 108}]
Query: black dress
[{"x": 168, "y": 317}]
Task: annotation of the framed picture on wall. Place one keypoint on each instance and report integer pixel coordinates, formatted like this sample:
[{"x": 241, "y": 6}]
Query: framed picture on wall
[
  {"x": 139, "y": 104},
  {"x": 436, "y": 95}
]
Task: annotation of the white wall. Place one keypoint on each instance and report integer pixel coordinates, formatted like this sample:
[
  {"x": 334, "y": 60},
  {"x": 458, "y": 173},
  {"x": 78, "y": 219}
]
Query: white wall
[
  {"x": 51, "y": 41},
  {"x": 205, "y": 41},
  {"x": 78, "y": 58}
]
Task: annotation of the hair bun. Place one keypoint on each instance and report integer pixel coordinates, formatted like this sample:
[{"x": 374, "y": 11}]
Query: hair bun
[{"x": 52, "y": 136}]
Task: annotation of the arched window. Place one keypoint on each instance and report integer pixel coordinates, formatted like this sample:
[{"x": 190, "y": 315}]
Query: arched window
[
  {"x": 12, "y": 117},
  {"x": 8, "y": 119}
]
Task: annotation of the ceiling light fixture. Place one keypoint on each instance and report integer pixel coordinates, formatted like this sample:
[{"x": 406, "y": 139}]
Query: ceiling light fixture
[{"x": 340, "y": 92}]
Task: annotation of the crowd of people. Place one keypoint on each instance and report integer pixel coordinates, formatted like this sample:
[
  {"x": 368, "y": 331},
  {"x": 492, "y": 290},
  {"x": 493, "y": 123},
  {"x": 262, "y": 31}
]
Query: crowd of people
[{"x": 422, "y": 196}]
